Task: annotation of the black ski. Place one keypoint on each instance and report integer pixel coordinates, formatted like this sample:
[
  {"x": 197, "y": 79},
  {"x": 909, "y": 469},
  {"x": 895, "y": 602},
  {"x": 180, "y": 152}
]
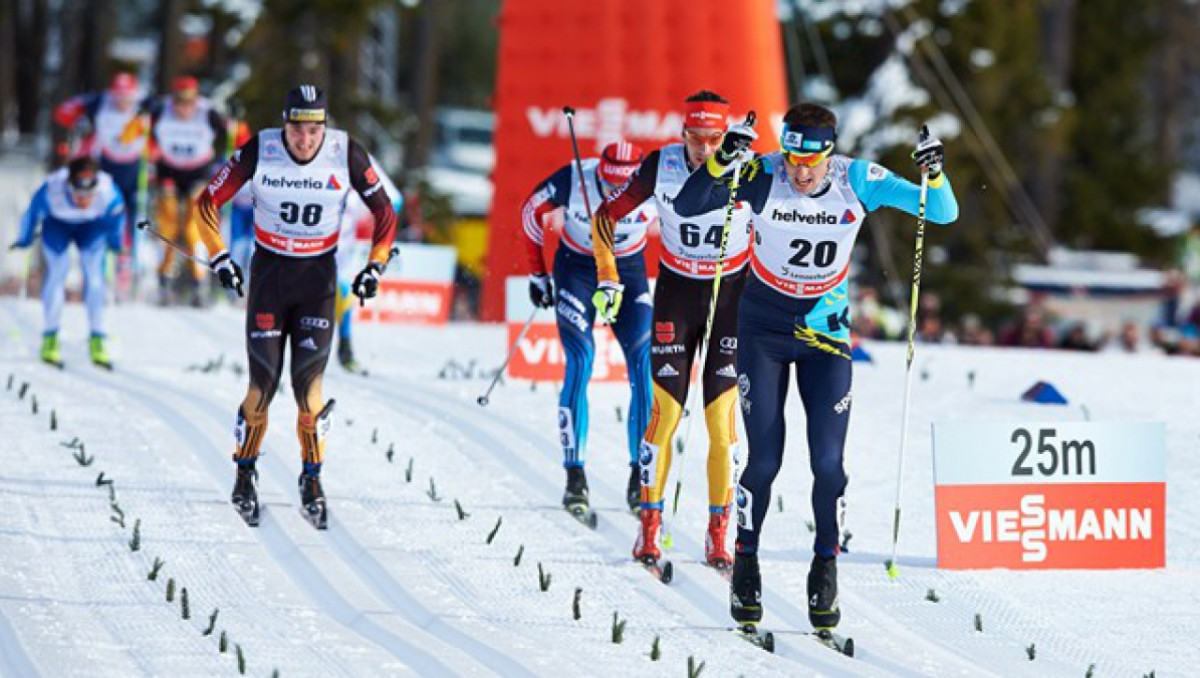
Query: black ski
[
  {"x": 108, "y": 367},
  {"x": 750, "y": 633},
  {"x": 316, "y": 514},
  {"x": 662, "y": 570},
  {"x": 834, "y": 641},
  {"x": 54, "y": 363},
  {"x": 583, "y": 514},
  {"x": 250, "y": 512}
]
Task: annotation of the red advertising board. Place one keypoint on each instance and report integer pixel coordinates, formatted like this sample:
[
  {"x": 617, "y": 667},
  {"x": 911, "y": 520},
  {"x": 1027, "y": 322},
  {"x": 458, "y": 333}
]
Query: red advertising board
[{"x": 625, "y": 67}]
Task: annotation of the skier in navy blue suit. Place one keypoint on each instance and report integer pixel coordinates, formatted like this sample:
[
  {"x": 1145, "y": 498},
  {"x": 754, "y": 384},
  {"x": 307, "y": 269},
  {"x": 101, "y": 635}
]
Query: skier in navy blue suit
[
  {"x": 794, "y": 314},
  {"x": 575, "y": 280}
]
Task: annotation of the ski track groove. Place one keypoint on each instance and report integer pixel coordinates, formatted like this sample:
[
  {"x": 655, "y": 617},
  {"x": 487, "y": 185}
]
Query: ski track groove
[
  {"x": 287, "y": 554},
  {"x": 376, "y": 576},
  {"x": 686, "y": 588}
]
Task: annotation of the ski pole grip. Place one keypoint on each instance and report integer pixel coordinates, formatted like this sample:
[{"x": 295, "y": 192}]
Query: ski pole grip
[{"x": 568, "y": 111}]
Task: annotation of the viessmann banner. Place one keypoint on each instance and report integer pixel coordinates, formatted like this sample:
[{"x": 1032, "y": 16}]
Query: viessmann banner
[
  {"x": 418, "y": 289},
  {"x": 1061, "y": 495}
]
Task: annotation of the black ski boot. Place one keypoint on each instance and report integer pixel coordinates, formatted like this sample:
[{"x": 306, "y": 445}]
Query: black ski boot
[
  {"x": 245, "y": 494},
  {"x": 823, "y": 611},
  {"x": 576, "y": 494},
  {"x": 745, "y": 590},
  {"x": 633, "y": 490},
  {"x": 313, "y": 499}
]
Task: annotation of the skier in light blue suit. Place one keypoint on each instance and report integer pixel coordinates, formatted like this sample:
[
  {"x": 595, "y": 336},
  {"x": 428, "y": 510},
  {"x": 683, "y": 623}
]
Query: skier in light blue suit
[{"x": 80, "y": 204}]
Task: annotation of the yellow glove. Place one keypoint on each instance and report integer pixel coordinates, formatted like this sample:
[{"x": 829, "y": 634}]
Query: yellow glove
[{"x": 607, "y": 300}]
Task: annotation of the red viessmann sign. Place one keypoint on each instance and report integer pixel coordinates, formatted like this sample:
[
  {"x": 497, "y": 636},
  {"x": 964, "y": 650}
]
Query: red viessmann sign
[{"x": 1062, "y": 495}]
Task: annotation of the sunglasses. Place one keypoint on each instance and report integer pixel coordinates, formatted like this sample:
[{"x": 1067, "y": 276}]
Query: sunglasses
[
  {"x": 711, "y": 138},
  {"x": 805, "y": 159},
  {"x": 83, "y": 184}
]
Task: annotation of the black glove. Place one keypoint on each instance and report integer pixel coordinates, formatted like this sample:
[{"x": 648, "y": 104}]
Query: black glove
[
  {"x": 228, "y": 272},
  {"x": 930, "y": 153},
  {"x": 736, "y": 144},
  {"x": 366, "y": 283},
  {"x": 541, "y": 290}
]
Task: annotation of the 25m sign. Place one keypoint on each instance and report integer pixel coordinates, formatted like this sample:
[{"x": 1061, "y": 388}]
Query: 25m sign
[{"x": 1073, "y": 495}]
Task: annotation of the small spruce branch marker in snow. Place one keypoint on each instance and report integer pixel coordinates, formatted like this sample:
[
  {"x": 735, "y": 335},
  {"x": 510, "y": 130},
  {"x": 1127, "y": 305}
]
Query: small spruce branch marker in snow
[
  {"x": 492, "y": 535},
  {"x": 462, "y": 515},
  {"x": 575, "y": 611},
  {"x": 544, "y": 578},
  {"x": 153, "y": 574},
  {"x": 618, "y": 629},
  {"x": 212, "y": 622},
  {"x": 432, "y": 493},
  {"x": 135, "y": 542}
]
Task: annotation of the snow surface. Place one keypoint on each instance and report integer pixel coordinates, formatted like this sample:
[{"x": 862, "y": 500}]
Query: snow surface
[{"x": 399, "y": 585}]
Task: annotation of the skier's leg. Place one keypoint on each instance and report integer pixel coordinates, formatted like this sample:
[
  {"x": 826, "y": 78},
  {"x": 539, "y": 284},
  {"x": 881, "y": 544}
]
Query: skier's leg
[
  {"x": 824, "y": 382},
  {"x": 191, "y": 225},
  {"x": 91, "y": 244},
  {"x": 719, "y": 379},
  {"x": 673, "y": 343},
  {"x": 762, "y": 384},
  {"x": 632, "y": 329},
  {"x": 55, "y": 241},
  {"x": 264, "y": 352},
  {"x": 574, "y": 315},
  {"x": 310, "y": 326},
  {"x": 167, "y": 215}
]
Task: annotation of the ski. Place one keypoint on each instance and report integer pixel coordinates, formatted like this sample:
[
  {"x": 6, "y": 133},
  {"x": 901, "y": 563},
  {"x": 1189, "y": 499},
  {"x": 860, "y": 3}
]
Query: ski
[
  {"x": 249, "y": 512},
  {"x": 834, "y": 641},
  {"x": 107, "y": 367},
  {"x": 316, "y": 514},
  {"x": 725, "y": 571},
  {"x": 761, "y": 639},
  {"x": 662, "y": 570},
  {"x": 55, "y": 363},
  {"x": 583, "y": 514}
]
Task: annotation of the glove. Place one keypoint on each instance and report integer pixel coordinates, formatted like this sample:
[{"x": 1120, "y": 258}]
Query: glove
[
  {"x": 19, "y": 244},
  {"x": 541, "y": 290},
  {"x": 228, "y": 272},
  {"x": 736, "y": 144},
  {"x": 930, "y": 153},
  {"x": 366, "y": 283},
  {"x": 607, "y": 300}
]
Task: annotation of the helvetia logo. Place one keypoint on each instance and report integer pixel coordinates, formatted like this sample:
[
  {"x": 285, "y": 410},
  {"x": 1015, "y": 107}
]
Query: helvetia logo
[
  {"x": 333, "y": 184},
  {"x": 848, "y": 217}
]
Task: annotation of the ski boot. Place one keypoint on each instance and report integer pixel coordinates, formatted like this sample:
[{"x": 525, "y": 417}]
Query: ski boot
[
  {"x": 646, "y": 548},
  {"x": 633, "y": 491},
  {"x": 313, "y": 499},
  {"x": 98, "y": 353},
  {"x": 575, "y": 498},
  {"x": 823, "y": 611},
  {"x": 345, "y": 356},
  {"x": 714, "y": 540},
  {"x": 745, "y": 590},
  {"x": 51, "y": 354},
  {"x": 245, "y": 494},
  {"x": 164, "y": 289}
]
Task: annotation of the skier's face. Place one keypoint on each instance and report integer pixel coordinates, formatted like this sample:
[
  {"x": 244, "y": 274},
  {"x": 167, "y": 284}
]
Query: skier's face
[
  {"x": 304, "y": 139},
  {"x": 804, "y": 178},
  {"x": 82, "y": 189},
  {"x": 701, "y": 144}
]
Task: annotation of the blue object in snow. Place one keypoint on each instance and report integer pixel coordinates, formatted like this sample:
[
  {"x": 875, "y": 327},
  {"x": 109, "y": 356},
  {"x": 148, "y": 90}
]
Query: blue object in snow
[{"x": 1044, "y": 393}]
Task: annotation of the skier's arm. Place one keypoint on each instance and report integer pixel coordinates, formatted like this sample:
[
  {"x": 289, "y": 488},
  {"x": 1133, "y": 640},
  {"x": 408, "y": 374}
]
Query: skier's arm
[
  {"x": 224, "y": 185},
  {"x": 615, "y": 207},
  {"x": 220, "y": 130},
  {"x": 548, "y": 196},
  {"x": 708, "y": 189},
  {"x": 877, "y": 187},
  {"x": 113, "y": 219},
  {"x": 365, "y": 181},
  {"x": 68, "y": 113},
  {"x": 37, "y": 210}
]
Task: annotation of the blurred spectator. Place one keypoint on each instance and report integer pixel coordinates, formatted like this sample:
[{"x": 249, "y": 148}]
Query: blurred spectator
[
  {"x": 1030, "y": 331},
  {"x": 1076, "y": 339},
  {"x": 974, "y": 333}
]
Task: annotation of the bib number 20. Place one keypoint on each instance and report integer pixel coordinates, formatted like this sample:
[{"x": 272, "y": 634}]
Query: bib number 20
[{"x": 823, "y": 253}]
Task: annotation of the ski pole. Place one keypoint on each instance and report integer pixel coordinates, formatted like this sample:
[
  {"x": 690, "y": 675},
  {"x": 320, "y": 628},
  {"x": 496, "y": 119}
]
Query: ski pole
[
  {"x": 677, "y": 464},
  {"x": 893, "y": 569},
  {"x": 570, "y": 113},
  {"x": 144, "y": 225},
  {"x": 483, "y": 399}
]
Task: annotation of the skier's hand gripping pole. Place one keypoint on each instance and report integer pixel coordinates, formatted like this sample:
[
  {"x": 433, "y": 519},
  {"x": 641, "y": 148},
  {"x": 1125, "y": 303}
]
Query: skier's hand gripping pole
[
  {"x": 893, "y": 568},
  {"x": 483, "y": 399},
  {"x": 668, "y": 540}
]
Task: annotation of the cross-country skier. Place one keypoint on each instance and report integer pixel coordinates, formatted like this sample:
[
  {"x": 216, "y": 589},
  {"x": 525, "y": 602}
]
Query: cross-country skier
[
  {"x": 691, "y": 250},
  {"x": 300, "y": 176},
  {"x": 573, "y": 285},
  {"x": 103, "y": 116},
  {"x": 78, "y": 203},
  {"x": 188, "y": 133},
  {"x": 794, "y": 315}
]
